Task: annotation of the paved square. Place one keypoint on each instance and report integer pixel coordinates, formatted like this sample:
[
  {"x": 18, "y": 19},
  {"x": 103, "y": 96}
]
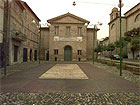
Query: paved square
[
  {"x": 64, "y": 71},
  {"x": 95, "y": 80}
]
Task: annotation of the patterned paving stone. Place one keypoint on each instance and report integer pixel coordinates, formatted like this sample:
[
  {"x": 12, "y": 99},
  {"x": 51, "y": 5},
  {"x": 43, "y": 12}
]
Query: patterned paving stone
[
  {"x": 64, "y": 71},
  {"x": 69, "y": 99},
  {"x": 28, "y": 79}
]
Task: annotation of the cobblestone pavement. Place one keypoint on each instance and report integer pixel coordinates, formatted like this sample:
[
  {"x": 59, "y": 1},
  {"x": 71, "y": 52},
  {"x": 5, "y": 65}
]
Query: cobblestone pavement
[{"x": 69, "y": 99}]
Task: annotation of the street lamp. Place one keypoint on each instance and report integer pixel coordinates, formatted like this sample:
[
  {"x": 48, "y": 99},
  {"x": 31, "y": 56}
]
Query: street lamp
[
  {"x": 120, "y": 6},
  {"x": 94, "y": 32},
  {"x": 74, "y": 3}
]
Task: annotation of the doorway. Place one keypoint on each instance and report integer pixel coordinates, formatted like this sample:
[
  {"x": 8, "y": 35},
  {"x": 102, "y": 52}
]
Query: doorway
[
  {"x": 15, "y": 53},
  {"x": 67, "y": 53},
  {"x": 47, "y": 56},
  {"x": 35, "y": 55},
  {"x": 25, "y": 55},
  {"x": 30, "y": 54}
]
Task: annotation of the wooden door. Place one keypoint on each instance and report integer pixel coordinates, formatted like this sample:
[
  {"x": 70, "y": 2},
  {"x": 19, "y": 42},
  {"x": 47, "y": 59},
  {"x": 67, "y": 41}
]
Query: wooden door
[{"x": 68, "y": 53}]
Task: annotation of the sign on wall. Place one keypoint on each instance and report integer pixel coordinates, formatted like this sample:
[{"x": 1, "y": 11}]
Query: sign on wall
[{"x": 65, "y": 39}]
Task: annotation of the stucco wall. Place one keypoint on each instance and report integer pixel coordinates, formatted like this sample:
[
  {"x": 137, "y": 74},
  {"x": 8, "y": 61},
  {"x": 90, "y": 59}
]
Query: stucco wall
[
  {"x": 114, "y": 31},
  {"x": 131, "y": 23},
  {"x": 44, "y": 42},
  {"x": 90, "y": 33}
]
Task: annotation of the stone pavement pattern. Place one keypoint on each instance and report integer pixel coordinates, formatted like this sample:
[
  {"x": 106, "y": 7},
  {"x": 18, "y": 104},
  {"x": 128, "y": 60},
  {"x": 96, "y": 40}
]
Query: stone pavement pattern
[
  {"x": 64, "y": 71},
  {"x": 99, "y": 81},
  {"x": 102, "y": 88},
  {"x": 69, "y": 99}
]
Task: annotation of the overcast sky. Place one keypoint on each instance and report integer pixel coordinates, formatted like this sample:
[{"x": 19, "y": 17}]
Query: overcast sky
[{"x": 87, "y": 9}]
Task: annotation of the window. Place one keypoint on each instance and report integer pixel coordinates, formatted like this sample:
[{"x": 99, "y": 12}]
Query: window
[
  {"x": 79, "y": 59},
  {"x": 20, "y": 29},
  {"x": 56, "y": 30},
  {"x": 67, "y": 30},
  {"x": 55, "y": 58},
  {"x": 56, "y": 52},
  {"x": 79, "y": 30},
  {"x": 79, "y": 52},
  {"x": 111, "y": 17},
  {"x": 112, "y": 26},
  {"x": 116, "y": 14},
  {"x": 15, "y": 5},
  {"x": 25, "y": 30},
  {"x": 137, "y": 19},
  {"x": 14, "y": 26}
]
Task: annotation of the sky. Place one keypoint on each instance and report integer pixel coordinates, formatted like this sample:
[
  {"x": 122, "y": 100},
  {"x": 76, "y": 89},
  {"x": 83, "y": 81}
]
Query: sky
[{"x": 92, "y": 10}]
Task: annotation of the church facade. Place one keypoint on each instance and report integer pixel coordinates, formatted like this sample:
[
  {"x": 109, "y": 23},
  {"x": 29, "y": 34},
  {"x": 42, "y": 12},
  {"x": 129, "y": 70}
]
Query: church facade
[{"x": 68, "y": 39}]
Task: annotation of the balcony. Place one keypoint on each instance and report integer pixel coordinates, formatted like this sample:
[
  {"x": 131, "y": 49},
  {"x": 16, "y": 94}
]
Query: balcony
[{"x": 19, "y": 36}]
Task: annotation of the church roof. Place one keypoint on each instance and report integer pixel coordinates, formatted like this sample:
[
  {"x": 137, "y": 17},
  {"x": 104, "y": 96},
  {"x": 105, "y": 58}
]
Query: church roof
[{"x": 68, "y": 14}]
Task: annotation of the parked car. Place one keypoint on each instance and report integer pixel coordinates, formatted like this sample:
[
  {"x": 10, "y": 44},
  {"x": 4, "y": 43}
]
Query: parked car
[
  {"x": 115, "y": 57},
  {"x": 106, "y": 56}
]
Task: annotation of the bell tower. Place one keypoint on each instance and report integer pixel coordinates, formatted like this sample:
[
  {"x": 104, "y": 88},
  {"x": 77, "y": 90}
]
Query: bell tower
[{"x": 114, "y": 14}]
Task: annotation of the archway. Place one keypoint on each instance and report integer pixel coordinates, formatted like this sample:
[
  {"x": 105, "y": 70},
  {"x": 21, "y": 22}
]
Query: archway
[{"x": 68, "y": 53}]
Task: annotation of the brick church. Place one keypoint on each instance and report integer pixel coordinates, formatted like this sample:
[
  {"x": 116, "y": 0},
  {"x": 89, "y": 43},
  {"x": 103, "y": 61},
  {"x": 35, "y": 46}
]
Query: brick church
[{"x": 67, "y": 38}]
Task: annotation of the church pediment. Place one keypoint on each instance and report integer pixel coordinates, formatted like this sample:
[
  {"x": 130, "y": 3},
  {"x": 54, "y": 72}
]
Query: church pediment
[{"x": 67, "y": 18}]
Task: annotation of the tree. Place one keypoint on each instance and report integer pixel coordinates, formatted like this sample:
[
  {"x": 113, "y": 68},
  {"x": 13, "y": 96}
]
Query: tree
[
  {"x": 135, "y": 45},
  {"x": 98, "y": 49},
  {"x": 104, "y": 48},
  {"x": 111, "y": 47},
  {"x": 117, "y": 44},
  {"x": 133, "y": 33},
  {"x": 124, "y": 42}
]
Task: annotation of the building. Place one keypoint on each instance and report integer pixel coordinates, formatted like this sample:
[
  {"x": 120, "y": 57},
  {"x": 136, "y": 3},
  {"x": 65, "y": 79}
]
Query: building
[
  {"x": 130, "y": 20},
  {"x": 114, "y": 26},
  {"x": 67, "y": 39},
  {"x": 106, "y": 41},
  {"x": 31, "y": 29},
  {"x": 1, "y": 28},
  {"x": 23, "y": 33}
]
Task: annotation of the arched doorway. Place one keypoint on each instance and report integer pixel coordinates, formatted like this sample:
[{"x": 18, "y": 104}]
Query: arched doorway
[{"x": 67, "y": 53}]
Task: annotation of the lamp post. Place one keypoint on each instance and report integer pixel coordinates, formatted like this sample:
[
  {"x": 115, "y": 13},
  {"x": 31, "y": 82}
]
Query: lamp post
[
  {"x": 94, "y": 32},
  {"x": 120, "y": 6}
]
